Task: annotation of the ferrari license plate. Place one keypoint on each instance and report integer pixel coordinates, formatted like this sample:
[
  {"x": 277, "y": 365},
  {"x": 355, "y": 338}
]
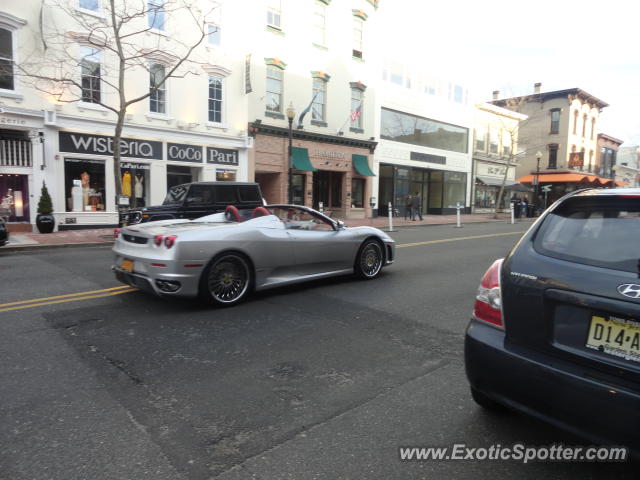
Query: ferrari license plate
[
  {"x": 615, "y": 336},
  {"x": 126, "y": 265}
]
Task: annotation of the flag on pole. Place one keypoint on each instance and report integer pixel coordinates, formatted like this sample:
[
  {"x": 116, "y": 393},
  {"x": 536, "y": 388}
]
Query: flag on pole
[{"x": 305, "y": 111}]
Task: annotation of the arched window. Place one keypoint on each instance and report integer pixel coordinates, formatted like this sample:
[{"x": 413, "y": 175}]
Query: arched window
[
  {"x": 584, "y": 124},
  {"x": 575, "y": 121},
  {"x": 593, "y": 126}
]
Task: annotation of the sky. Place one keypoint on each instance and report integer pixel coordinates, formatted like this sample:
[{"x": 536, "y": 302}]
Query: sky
[{"x": 510, "y": 45}]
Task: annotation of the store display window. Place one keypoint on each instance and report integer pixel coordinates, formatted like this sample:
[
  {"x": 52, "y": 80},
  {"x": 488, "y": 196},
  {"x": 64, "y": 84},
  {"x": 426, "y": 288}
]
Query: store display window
[
  {"x": 225, "y": 175},
  {"x": 136, "y": 183},
  {"x": 14, "y": 198},
  {"x": 357, "y": 192},
  {"x": 84, "y": 185}
]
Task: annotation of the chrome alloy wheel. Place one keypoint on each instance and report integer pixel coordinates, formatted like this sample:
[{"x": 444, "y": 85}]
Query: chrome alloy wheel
[
  {"x": 229, "y": 279},
  {"x": 371, "y": 258}
]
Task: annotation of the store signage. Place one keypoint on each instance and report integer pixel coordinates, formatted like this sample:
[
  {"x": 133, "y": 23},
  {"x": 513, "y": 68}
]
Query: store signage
[
  {"x": 427, "y": 157},
  {"x": 222, "y": 156},
  {"x": 103, "y": 145},
  {"x": 184, "y": 153},
  {"x": 134, "y": 166},
  {"x": 328, "y": 154},
  {"x": 12, "y": 121}
]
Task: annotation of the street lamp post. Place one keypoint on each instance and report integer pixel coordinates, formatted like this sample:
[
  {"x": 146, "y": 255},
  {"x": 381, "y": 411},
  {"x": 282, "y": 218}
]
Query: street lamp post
[
  {"x": 291, "y": 113},
  {"x": 537, "y": 199}
]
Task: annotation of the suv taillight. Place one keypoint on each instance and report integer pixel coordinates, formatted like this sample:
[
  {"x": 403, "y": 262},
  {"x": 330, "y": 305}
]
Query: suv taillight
[{"x": 488, "y": 306}]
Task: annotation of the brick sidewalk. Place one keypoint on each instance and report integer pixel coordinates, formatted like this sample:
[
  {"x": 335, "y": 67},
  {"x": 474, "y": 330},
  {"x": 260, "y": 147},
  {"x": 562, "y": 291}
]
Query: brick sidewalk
[{"x": 105, "y": 235}]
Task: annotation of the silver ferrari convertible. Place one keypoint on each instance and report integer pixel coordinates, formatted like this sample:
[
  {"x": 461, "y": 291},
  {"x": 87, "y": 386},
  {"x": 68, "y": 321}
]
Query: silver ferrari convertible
[{"x": 223, "y": 257}]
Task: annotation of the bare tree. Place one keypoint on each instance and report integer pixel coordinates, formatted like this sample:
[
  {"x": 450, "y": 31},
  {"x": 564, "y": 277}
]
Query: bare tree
[{"x": 94, "y": 57}]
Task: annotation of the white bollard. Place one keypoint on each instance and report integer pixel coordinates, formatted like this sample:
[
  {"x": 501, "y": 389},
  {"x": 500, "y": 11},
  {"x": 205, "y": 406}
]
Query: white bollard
[
  {"x": 458, "y": 207},
  {"x": 321, "y": 207},
  {"x": 513, "y": 216},
  {"x": 390, "y": 217}
]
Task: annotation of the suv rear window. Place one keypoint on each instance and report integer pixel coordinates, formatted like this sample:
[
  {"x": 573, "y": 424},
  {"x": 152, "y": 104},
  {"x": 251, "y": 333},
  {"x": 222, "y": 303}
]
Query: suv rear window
[
  {"x": 603, "y": 231},
  {"x": 226, "y": 194},
  {"x": 249, "y": 193}
]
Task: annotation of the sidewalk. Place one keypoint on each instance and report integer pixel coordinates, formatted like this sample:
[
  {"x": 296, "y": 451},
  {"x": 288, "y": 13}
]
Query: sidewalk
[{"x": 104, "y": 236}]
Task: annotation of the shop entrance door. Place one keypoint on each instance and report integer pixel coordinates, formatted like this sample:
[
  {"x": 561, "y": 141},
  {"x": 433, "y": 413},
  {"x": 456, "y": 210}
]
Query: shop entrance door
[
  {"x": 327, "y": 188},
  {"x": 177, "y": 175}
]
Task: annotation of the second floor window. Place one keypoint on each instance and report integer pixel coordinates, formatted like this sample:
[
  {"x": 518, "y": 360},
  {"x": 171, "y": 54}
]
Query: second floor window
[
  {"x": 357, "y": 98},
  {"x": 584, "y": 125},
  {"x": 155, "y": 14},
  {"x": 553, "y": 156},
  {"x": 93, "y": 5},
  {"x": 358, "y": 26},
  {"x": 215, "y": 99},
  {"x": 575, "y": 121},
  {"x": 493, "y": 141},
  {"x": 555, "y": 121},
  {"x": 274, "y": 14},
  {"x": 158, "y": 89},
  {"x": 274, "y": 89},
  {"x": 506, "y": 143},
  {"x": 319, "y": 105},
  {"x": 6, "y": 60},
  {"x": 90, "y": 74},
  {"x": 593, "y": 126}
]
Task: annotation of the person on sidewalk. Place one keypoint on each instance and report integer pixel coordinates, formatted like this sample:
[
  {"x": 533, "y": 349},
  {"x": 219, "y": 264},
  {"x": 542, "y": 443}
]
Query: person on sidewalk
[
  {"x": 416, "y": 207},
  {"x": 408, "y": 214}
]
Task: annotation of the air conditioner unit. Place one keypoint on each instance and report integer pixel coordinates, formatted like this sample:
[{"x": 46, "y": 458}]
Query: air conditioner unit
[{"x": 50, "y": 117}]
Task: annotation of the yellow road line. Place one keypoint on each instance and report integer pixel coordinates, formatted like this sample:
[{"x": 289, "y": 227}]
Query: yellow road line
[
  {"x": 430, "y": 242},
  {"x": 63, "y": 296},
  {"x": 76, "y": 299}
]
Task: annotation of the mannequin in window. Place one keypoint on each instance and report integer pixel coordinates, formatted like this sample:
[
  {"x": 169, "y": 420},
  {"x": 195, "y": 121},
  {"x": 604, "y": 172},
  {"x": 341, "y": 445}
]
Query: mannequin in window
[
  {"x": 138, "y": 189},
  {"x": 126, "y": 183},
  {"x": 85, "y": 178}
]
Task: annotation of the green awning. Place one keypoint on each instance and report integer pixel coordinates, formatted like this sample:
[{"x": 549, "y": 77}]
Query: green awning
[
  {"x": 300, "y": 157},
  {"x": 361, "y": 165}
]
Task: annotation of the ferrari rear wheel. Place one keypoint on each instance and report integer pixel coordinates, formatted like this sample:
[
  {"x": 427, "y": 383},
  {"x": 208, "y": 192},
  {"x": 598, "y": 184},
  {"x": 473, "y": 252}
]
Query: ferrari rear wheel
[
  {"x": 369, "y": 260},
  {"x": 226, "y": 280}
]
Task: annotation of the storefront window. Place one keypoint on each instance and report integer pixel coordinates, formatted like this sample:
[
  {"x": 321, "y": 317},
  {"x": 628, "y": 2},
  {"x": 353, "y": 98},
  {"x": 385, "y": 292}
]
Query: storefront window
[
  {"x": 357, "y": 192},
  {"x": 455, "y": 186},
  {"x": 135, "y": 183},
  {"x": 298, "y": 182},
  {"x": 225, "y": 175},
  {"x": 385, "y": 192},
  {"x": 84, "y": 185},
  {"x": 435, "y": 189},
  {"x": 177, "y": 175},
  {"x": 14, "y": 198}
]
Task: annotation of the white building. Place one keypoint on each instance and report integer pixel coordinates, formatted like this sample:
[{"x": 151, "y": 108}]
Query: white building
[
  {"x": 424, "y": 125},
  {"x": 192, "y": 129}
]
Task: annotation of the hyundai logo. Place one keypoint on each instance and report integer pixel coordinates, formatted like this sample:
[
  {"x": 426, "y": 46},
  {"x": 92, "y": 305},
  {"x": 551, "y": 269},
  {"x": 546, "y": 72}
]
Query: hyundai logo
[{"x": 631, "y": 290}]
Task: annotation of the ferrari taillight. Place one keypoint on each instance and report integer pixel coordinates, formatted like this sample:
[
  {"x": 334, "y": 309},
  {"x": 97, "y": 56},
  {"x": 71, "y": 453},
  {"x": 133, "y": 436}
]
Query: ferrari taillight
[
  {"x": 169, "y": 241},
  {"x": 488, "y": 305},
  {"x": 157, "y": 240},
  {"x": 116, "y": 233}
]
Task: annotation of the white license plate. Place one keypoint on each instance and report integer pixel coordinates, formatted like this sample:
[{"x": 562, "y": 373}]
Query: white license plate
[{"x": 615, "y": 336}]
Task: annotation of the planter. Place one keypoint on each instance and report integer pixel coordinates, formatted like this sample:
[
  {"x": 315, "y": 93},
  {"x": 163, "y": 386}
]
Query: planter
[{"x": 45, "y": 222}]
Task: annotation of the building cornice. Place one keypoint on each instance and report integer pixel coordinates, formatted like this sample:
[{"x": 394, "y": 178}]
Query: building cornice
[
  {"x": 544, "y": 96},
  {"x": 260, "y": 128}
]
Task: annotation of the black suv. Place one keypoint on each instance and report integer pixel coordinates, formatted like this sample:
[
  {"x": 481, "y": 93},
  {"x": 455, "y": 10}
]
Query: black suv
[
  {"x": 193, "y": 200},
  {"x": 555, "y": 330}
]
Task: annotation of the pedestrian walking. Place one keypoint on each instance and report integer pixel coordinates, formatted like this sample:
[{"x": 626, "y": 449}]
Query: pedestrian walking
[
  {"x": 416, "y": 206},
  {"x": 408, "y": 214},
  {"x": 524, "y": 207}
]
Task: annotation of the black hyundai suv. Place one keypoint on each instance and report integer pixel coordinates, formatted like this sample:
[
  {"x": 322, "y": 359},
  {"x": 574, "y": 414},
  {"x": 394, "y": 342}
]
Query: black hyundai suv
[
  {"x": 193, "y": 200},
  {"x": 555, "y": 331}
]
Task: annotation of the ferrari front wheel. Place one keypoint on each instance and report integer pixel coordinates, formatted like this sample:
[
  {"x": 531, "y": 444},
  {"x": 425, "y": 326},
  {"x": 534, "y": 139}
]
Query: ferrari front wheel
[
  {"x": 369, "y": 260},
  {"x": 226, "y": 281}
]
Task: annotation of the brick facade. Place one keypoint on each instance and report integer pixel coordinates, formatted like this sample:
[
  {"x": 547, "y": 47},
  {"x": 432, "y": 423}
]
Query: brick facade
[{"x": 271, "y": 171}]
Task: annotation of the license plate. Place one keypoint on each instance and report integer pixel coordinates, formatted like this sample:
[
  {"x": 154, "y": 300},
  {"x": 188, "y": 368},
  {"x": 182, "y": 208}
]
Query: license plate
[
  {"x": 127, "y": 265},
  {"x": 615, "y": 336}
]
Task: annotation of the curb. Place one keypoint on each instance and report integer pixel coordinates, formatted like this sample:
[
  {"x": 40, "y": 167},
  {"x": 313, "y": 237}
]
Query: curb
[{"x": 32, "y": 247}]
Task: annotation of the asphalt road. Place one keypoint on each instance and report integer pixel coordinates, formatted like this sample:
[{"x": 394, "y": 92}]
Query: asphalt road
[{"x": 324, "y": 380}]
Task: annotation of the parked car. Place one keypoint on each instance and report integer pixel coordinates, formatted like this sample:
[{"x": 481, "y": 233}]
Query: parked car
[
  {"x": 555, "y": 331},
  {"x": 223, "y": 257},
  {"x": 4, "y": 232},
  {"x": 194, "y": 200}
]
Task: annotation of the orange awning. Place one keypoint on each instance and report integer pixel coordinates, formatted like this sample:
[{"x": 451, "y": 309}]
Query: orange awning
[
  {"x": 559, "y": 178},
  {"x": 621, "y": 183}
]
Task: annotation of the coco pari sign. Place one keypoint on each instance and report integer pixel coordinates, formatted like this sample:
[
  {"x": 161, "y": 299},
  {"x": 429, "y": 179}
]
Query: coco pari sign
[
  {"x": 222, "y": 156},
  {"x": 102, "y": 145},
  {"x": 178, "y": 152}
]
